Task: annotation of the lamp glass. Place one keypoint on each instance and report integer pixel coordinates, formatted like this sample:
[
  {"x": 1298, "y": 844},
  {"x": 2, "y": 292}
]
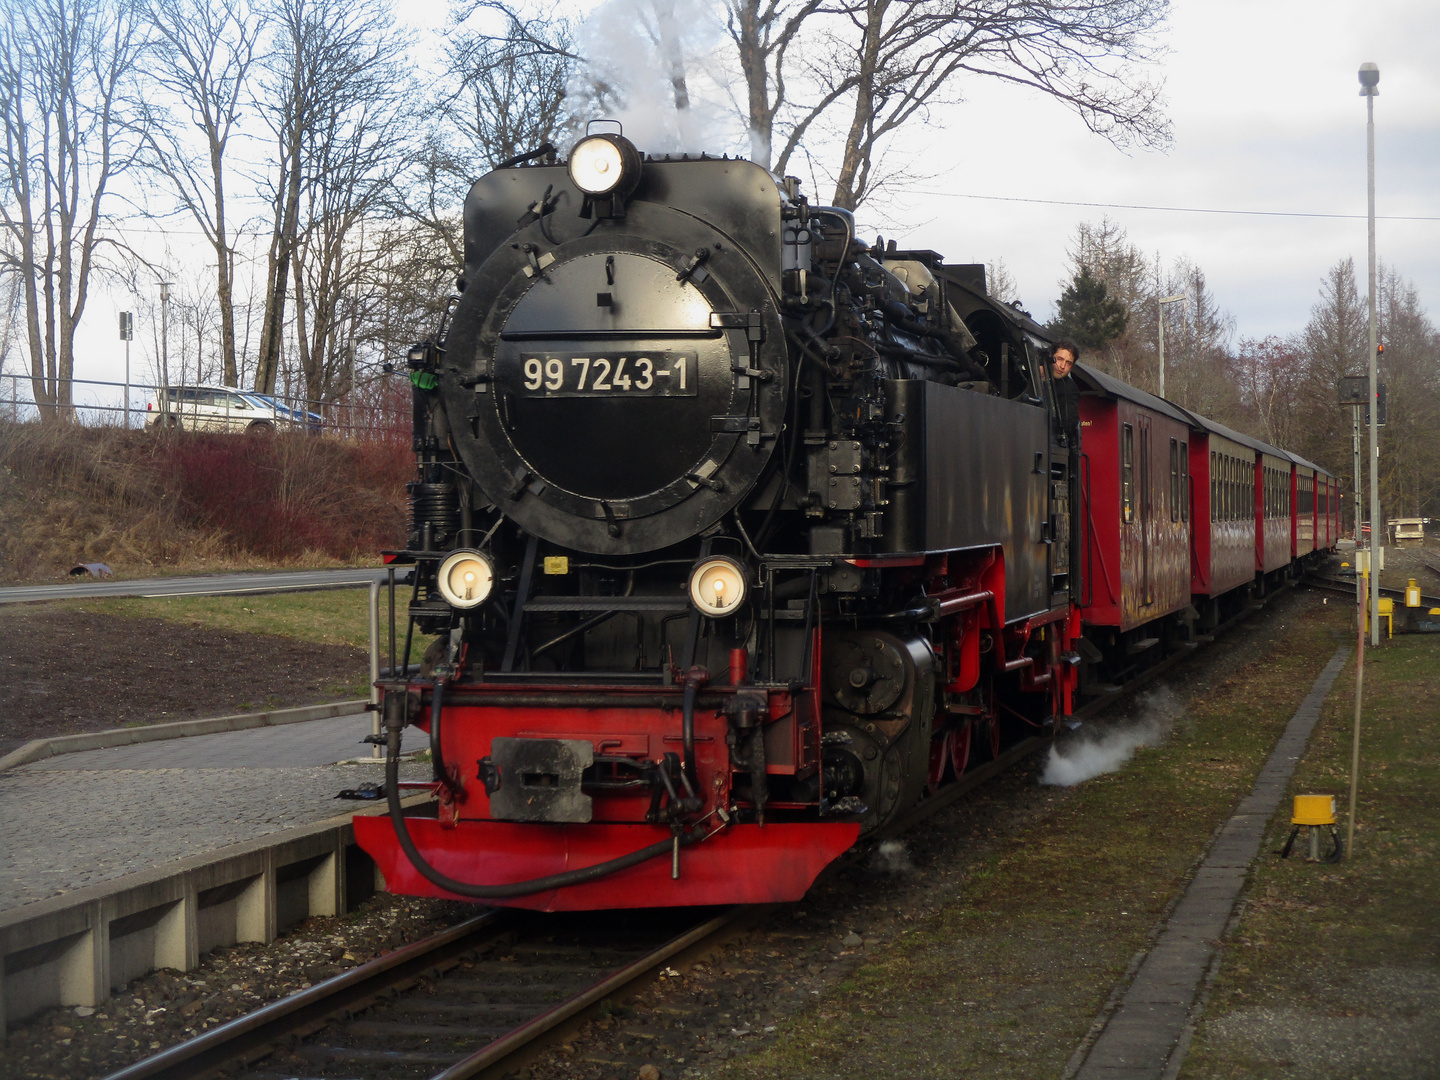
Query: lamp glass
[
  {"x": 465, "y": 578},
  {"x": 718, "y": 586},
  {"x": 596, "y": 165}
]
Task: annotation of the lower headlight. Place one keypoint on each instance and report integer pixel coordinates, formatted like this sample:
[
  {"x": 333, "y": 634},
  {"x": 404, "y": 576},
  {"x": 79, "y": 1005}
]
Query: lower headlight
[
  {"x": 718, "y": 586},
  {"x": 466, "y": 578}
]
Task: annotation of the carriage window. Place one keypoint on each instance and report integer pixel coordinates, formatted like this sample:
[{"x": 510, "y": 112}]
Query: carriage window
[
  {"x": 1127, "y": 474},
  {"x": 1174, "y": 479},
  {"x": 1184, "y": 481},
  {"x": 1214, "y": 490}
]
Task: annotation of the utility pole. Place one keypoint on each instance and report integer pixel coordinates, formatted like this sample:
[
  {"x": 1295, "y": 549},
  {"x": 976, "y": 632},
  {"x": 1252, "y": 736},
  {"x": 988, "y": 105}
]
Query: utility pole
[
  {"x": 1160, "y": 313},
  {"x": 165, "y": 348}
]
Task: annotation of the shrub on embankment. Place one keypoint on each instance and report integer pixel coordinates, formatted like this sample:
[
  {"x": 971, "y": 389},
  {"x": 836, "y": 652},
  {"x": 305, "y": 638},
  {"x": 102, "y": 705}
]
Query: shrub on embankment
[{"x": 142, "y": 500}]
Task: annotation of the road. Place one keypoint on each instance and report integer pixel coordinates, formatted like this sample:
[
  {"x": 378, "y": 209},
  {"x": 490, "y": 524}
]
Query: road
[{"x": 206, "y": 585}]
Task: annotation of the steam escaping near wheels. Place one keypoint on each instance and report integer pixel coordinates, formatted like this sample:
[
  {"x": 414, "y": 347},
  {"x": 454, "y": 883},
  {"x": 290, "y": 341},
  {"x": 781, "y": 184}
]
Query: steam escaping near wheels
[{"x": 1091, "y": 752}]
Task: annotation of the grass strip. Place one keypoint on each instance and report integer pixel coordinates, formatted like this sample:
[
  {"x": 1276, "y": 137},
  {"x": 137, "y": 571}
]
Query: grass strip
[
  {"x": 326, "y": 617},
  {"x": 1006, "y": 977},
  {"x": 1334, "y": 970}
]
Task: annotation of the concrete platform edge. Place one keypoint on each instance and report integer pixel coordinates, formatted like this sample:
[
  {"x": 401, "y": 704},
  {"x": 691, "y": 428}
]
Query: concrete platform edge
[
  {"x": 39, "y": 749},
  {"x": 75, "y": 948}
]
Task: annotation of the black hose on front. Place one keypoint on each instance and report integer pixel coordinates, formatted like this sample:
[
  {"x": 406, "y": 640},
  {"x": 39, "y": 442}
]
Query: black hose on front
[
  {"x": 437, "y": 759},
  {"x": 393, "y": 725},
  {"x": 687, "y": 723}
]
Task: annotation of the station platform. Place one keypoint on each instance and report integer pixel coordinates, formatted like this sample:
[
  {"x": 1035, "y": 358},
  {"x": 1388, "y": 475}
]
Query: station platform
[{"x": 80, "y": 819}]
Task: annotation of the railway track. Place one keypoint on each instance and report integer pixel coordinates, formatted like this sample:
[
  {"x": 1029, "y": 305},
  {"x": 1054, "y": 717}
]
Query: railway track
[
  {"x": 1347, "y": 588},
  {"x": 471, "y": 1000},
  {"x": 459, "y": 1004}
]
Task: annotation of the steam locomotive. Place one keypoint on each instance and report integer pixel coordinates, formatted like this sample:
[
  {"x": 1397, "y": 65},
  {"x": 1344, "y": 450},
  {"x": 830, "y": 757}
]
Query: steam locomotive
[{"x": 736, "y": 536}]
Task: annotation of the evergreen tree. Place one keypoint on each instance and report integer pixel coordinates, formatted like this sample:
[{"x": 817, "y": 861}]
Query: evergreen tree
[{"x": 1088, "y": 313}]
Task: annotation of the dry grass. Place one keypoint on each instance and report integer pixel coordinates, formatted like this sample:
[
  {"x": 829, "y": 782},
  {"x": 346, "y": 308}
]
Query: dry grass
[{"x": 146, "y": 503}]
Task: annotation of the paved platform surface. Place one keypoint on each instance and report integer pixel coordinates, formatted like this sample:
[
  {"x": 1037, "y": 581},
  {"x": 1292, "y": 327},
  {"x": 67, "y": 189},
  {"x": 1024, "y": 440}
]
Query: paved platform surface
[
  {"x": 1146, "y": 1035},
  {"x": 201, "y": 585},
  {"x": 84, "y": 818}
]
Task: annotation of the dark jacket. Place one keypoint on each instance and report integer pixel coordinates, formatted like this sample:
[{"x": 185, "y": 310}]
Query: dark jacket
[{"x": 1067, "y": 410}]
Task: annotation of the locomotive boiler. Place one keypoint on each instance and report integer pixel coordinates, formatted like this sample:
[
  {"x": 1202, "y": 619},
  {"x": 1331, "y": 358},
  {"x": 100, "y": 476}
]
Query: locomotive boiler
[{"x": 735, "y": 536}]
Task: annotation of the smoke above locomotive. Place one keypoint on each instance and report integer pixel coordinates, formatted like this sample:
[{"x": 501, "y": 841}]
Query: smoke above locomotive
[{"x": 734, "y": 534}]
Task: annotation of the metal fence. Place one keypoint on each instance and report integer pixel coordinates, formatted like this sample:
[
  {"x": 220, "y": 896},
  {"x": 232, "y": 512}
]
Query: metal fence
[{"x": 96, "y": 403}]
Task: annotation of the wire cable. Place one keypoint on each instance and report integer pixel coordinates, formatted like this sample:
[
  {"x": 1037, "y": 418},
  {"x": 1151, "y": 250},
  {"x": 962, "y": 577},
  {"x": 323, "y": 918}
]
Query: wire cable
[{"x": 1170, "y": 209}]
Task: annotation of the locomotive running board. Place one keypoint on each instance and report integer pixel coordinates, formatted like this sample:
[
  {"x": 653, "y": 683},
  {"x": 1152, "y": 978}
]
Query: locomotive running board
[{"x": 743, "y": 864}]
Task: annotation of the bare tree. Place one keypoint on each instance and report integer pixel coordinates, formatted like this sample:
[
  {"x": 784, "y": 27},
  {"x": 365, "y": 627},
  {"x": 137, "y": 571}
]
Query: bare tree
[
  {"x": 207, "y": 48},
  {"x": 1199, "y": 372},
  {"x": 12, "y": 317},
  {"x": 66, "y": 75},
  {"x": 1410, "y": 368},
  {"x": 1270, "y": 372},
  {"x": 351, "y": 151},
  {"x": 510, "y": 100},
  {"x": 763, "y": 32},
  {"x": 1135, "y": 281},
  {"x": 1000, "y": 283},
  {"x": 895, "y": 59}
]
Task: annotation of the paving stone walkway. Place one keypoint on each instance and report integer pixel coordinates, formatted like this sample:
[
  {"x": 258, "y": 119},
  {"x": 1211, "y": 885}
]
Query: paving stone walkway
[
  {"x": 79, "y": 819},
  {"x": 1143, "y": 1037}
]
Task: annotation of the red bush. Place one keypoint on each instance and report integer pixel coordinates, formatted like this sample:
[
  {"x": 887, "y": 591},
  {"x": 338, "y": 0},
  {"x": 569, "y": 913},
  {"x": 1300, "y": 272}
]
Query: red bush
[{"x": 282, "y": 496}]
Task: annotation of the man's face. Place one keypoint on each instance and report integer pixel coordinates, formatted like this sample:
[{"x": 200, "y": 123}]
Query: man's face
[{"x": 1062, "y": 363}]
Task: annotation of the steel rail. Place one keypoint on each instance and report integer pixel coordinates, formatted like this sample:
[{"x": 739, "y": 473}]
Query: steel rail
[
  {"x": 241, "y": 1039},
  {"x": 246, "y": 1038},
  {"x": 503, "y": 1047},
  {"x": 1339, "y": 585}
]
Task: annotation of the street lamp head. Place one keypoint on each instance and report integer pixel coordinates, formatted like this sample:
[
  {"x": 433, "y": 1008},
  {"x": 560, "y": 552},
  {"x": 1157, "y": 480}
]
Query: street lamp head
[
  {"x": 1369, "y": 80},
  {"x": 164, "y": 292}
]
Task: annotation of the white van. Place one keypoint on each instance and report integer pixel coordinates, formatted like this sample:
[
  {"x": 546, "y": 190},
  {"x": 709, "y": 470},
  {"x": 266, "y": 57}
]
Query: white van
[{"x": 214, "y": 408}]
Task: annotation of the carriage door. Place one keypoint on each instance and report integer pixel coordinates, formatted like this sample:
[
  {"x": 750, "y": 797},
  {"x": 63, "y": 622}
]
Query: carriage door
[{"x": 1147, "y": 510}]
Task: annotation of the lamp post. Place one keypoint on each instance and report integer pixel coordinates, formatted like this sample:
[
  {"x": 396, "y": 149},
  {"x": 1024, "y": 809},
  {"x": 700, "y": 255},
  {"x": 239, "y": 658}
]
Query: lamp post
[
  {"x": 127, "y": 332},
  {"x": 1369, "y": 90},
  {"x": 1160, "y": 311},
  {"x": 1369, "y": 81}
]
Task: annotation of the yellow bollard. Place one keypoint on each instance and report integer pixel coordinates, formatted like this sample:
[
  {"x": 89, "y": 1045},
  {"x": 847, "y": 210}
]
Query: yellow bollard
[
  {"x": 1412, "y": 594},
  {"x": 1314, "y": 812},
  {"x": 1387, "y": 612}
]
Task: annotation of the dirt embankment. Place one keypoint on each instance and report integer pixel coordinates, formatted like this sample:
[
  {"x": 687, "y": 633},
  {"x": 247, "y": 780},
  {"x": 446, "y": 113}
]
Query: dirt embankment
[
  {"x": 144, "y": 502},
  {"x": 63, "y": 672}
]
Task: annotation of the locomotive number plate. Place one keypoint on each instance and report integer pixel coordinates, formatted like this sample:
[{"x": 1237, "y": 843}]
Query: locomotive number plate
[{"x": 650, "y": 374}]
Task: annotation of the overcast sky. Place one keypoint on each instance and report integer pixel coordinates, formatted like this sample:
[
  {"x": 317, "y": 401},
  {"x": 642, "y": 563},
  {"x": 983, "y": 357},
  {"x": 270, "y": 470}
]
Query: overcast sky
[
  {"x": 1264, "y": 101},
  {"x": 1267, "y": 116}
]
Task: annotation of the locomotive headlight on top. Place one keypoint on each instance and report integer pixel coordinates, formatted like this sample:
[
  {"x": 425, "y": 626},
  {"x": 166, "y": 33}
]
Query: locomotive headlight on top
[
  {"x": 718, "y": 586},
  {"x": 465, "y": 578},
  {"x": 603, "y": 164}
]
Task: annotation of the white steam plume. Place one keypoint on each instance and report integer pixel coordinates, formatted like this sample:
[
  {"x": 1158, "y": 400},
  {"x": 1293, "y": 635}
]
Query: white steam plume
[
  {"x": 1091, "y": 753},
  {"x": 648, "y": 65}
]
